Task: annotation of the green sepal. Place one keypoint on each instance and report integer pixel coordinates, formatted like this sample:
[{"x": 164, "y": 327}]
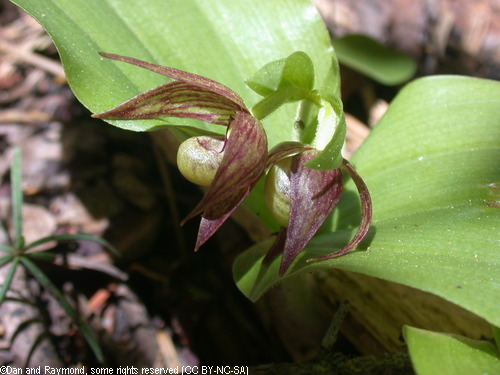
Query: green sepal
[
  {"x": 298, "y": 71},
  {"x": 273, "y": 101},
  {"x": 331, "y": 85},
  {"x": 282, "y": 81},
  {"x": 330, "y": 135}
]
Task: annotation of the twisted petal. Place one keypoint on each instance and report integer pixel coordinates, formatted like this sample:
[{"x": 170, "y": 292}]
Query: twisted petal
[
  {"x": 366, "y": 214},
  {"x": 188, "y": 96},
  {"x": 215, "y": 216},
  {"x": 284, "y": 150},
  {"x": 179, "y": 75},
  {"x": 313, "y": 194},
  {"x": 243, "y": 163},
  {"x": 175, "y": 99}
]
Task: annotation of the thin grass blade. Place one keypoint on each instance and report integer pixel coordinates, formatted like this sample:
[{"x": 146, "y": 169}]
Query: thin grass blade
[
  {"x": 8, "y": 279},
  {"x": 74, "y": 237},
  {"x": 6, "y": 249},
  {"x": 17, "y": 198},
  {"x": 5, "y": 259},
  {"x": 70, "y": 311},
  {"x": 3, "y": 230},
  {"x": 42, "y": 255}
]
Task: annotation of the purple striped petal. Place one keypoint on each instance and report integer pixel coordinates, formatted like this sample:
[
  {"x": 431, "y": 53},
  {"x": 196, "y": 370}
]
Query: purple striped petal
[
  {"x": 284, "y": 150},
  {"x": 366, "y": 214},
  {"x": 243, "y": 163},
  {"x": 313, "y": 194},
  {"x": 175, "y": 99},
  {"x": 179, "y": 75},
  {"x": 216, "y": 215}
]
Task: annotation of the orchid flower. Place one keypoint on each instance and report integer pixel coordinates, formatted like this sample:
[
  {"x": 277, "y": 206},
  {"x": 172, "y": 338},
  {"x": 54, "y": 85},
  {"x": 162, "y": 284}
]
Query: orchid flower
[
  {"x": 241, "y": 154},
  {"x": 304, "y": 180},
  {"x": 299, "y": 191},
  {"x": 302, "y": 198}
]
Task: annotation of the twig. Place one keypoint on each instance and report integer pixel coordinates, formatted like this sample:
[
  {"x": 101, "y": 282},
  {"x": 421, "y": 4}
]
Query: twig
[{"x": 33, "y": 58}]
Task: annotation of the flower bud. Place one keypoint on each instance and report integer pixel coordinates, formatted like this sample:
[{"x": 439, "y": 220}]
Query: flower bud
[
  {"x": 277, "y": 191},
  {"x": 198, "y": 158}
]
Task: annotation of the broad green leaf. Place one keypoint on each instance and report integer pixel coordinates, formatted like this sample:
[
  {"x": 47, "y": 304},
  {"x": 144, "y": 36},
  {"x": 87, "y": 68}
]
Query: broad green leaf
[
  {"x": 224, "y": 40},
  {"x": 438, "y": 353},
  {"x": 430, "y": 165},
  {"x": 496, "y": 336},
  {"x": 376, "y": 61}
]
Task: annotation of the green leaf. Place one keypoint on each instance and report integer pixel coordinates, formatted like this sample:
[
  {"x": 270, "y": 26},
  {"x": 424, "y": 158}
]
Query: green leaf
[
  {"x": 68, "y": 309},
  {"x": 42, "y": 255},
  {"x": 224, "y": 40},
  {"x": 6, "y": 259},
  {"x": 496, "y": 335},
  {"x": 430, "y": 165},
  {"x": 438, "y": 353},
  {"x": 6, "y": 248},
  {"x": 376, "y": 61},
  {"x": 8, "y": 278},
  {"x": 217, "y": 40},
  {"x": 3, "y": 231},
  {"x": 17, "y": 198}
]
